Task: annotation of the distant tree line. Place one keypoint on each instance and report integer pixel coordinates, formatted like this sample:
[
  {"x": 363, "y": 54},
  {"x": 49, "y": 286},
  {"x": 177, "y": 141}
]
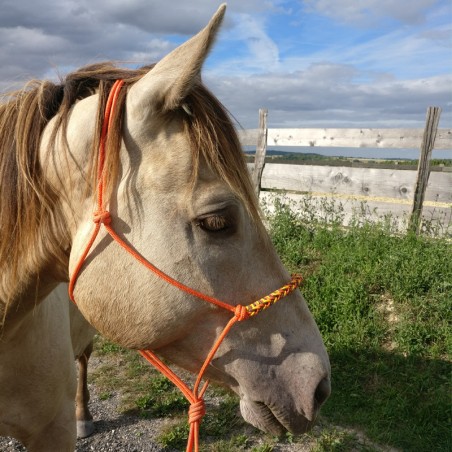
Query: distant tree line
[{"x": 298, "y": 157}]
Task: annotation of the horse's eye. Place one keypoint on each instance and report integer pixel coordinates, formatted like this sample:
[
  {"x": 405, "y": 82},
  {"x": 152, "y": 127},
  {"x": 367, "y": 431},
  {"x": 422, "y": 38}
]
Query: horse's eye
[{"x": 214, "y": 223}]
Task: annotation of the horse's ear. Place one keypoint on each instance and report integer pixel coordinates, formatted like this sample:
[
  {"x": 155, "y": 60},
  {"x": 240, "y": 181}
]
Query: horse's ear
[{"x": 165, "y": 86}]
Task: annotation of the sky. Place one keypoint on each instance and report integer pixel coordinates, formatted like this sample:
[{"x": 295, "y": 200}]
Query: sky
[{"x": 312, "y": 63}]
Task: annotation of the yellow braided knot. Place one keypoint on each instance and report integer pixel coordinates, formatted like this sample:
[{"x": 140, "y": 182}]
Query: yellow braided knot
[{"x": 265, "y": 302}]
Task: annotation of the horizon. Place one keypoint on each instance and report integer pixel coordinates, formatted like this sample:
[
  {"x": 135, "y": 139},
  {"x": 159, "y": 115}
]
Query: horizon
[{"x": 364, "y": 153}]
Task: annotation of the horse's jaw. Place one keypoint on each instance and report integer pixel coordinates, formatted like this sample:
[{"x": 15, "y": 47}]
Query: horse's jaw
[{"x": 264, "y": 418}]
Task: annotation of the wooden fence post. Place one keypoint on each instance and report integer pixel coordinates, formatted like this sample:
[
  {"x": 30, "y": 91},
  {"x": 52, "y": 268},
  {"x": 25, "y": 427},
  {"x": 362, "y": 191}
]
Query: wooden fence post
[
  {"x": 423, "y": 169},
  {"x": 261, "y": 149}
]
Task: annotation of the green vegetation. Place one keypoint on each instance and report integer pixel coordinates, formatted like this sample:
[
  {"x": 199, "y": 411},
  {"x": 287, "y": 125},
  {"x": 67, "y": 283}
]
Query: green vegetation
[
  {"x": 143, "y": 390},
  {"x": 220, "y": 422},
  {"x": 439, "y": 162},
  {"x": 299, "y": 158},
  {"x": 162, "y": 400},
  {"x": 382, "y": 302}
]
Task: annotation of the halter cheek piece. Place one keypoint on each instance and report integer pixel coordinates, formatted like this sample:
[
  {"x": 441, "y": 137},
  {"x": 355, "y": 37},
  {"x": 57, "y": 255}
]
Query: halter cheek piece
[{"x": 241, "y": 312}]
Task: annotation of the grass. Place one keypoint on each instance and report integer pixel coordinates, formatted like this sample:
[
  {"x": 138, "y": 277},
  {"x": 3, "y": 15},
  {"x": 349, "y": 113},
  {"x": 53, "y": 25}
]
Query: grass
[
  {"x": 146, "y": 393},
  {"x": 143, "y": 390},
  {"x": 220, "y": 422},
  {"x": 382, "y": 302}
]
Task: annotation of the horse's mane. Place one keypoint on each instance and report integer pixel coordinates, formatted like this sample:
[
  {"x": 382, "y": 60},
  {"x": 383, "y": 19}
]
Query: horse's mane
[{"x": 33, "y": 231}]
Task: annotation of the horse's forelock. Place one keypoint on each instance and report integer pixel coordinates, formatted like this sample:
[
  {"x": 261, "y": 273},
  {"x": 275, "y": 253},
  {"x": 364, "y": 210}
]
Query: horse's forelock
[{"x": 214, "y": 139}]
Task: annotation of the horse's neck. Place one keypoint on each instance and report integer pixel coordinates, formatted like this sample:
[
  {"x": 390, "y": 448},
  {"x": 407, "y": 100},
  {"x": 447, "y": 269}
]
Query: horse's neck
[{"x": 23, "y": 297}]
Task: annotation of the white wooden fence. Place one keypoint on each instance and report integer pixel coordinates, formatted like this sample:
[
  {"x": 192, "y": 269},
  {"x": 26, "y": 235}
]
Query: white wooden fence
[{"x": 400, "y": 192}]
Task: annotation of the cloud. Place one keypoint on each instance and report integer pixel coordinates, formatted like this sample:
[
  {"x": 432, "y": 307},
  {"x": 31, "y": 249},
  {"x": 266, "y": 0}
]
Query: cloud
[
  {"x": 73, "y": 17},
  {"x": 370, "y": 12},
  {"x": 313, "y": 66},
  {"x": 328, "y": 95},
  {"x": 404, "y": 53},
  {"x": 39, "y": 36},
  {"x": 182, "y": 17},
  {"x": 62, "y": 36},
  {"x": 152, "y": 16},
  {"x": 440, "y": 36},
  {"x": 262, "y": 50}
]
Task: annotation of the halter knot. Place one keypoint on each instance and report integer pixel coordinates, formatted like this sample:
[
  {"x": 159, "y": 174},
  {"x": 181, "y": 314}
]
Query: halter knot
[
  {"x": 196, "y": 411},
  {"x": 241, "y": 312},
  {"x": 102, "y": 217}
]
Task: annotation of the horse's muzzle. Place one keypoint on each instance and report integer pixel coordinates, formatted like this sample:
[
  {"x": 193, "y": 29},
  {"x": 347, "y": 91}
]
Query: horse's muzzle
[{"x": 276, "y": 420}]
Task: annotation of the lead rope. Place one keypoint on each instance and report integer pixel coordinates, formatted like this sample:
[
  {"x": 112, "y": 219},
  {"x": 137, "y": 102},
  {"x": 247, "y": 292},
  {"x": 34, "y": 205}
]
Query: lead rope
[{"x": 102, "y": 216}]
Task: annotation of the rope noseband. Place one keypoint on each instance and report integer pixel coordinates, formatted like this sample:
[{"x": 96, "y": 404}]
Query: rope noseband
[{"x": 241, "y": 312}]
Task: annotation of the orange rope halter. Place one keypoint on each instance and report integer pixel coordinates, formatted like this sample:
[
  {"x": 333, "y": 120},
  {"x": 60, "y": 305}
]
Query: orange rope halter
[{"x": 241, "y": 312}]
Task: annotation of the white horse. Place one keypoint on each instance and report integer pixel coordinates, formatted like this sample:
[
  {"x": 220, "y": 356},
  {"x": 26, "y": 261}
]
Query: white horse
[{"x": 178, "y": 195}]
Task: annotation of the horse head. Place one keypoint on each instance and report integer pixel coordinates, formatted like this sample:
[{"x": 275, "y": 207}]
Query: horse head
[{"x": 178, "y": 193}]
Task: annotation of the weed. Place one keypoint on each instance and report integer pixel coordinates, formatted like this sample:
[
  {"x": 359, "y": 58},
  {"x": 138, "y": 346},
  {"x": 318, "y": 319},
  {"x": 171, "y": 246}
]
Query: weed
[
  {"x": 263, "y": 448},
  {"x": 222, "y": 419},
  {"x": 104, "y": 347},
  {"x": 219, "y": 423},
  {"x": 334, "y": 440},
  {"x": 162, "y": 399},
  {"x": 175, "y": 437},
  {"x": 105, "y": 395},
  {"x": 236, "y": 443}
]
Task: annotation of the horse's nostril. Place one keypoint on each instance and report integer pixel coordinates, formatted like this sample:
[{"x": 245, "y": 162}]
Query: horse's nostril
[{"x": 323, "y": 391}]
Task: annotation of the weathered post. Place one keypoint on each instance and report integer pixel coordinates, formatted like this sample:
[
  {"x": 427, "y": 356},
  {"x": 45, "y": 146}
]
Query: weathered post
[
  {"x": 423, "y": 170},
  {"x": 261, "y": 149}
]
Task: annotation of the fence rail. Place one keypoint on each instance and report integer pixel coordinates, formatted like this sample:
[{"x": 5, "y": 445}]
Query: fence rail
[
  {"x": 407, "y": 188},
  {"x": 350, "y": 138}
]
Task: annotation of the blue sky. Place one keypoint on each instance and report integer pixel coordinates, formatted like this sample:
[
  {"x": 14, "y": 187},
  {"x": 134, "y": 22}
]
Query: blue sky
[{"x": 312, "y": 63}]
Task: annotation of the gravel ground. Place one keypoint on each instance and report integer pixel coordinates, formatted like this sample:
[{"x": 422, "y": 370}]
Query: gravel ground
[
  {"x": 119, "y": 432},
  {"x": 122, "y": 432},
  {"x": 115, "y": 432}
]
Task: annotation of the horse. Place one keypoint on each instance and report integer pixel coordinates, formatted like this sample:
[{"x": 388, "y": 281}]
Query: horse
[
  {"x": 50, "y": 337},
  {"x": 131, "y": 184}
]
